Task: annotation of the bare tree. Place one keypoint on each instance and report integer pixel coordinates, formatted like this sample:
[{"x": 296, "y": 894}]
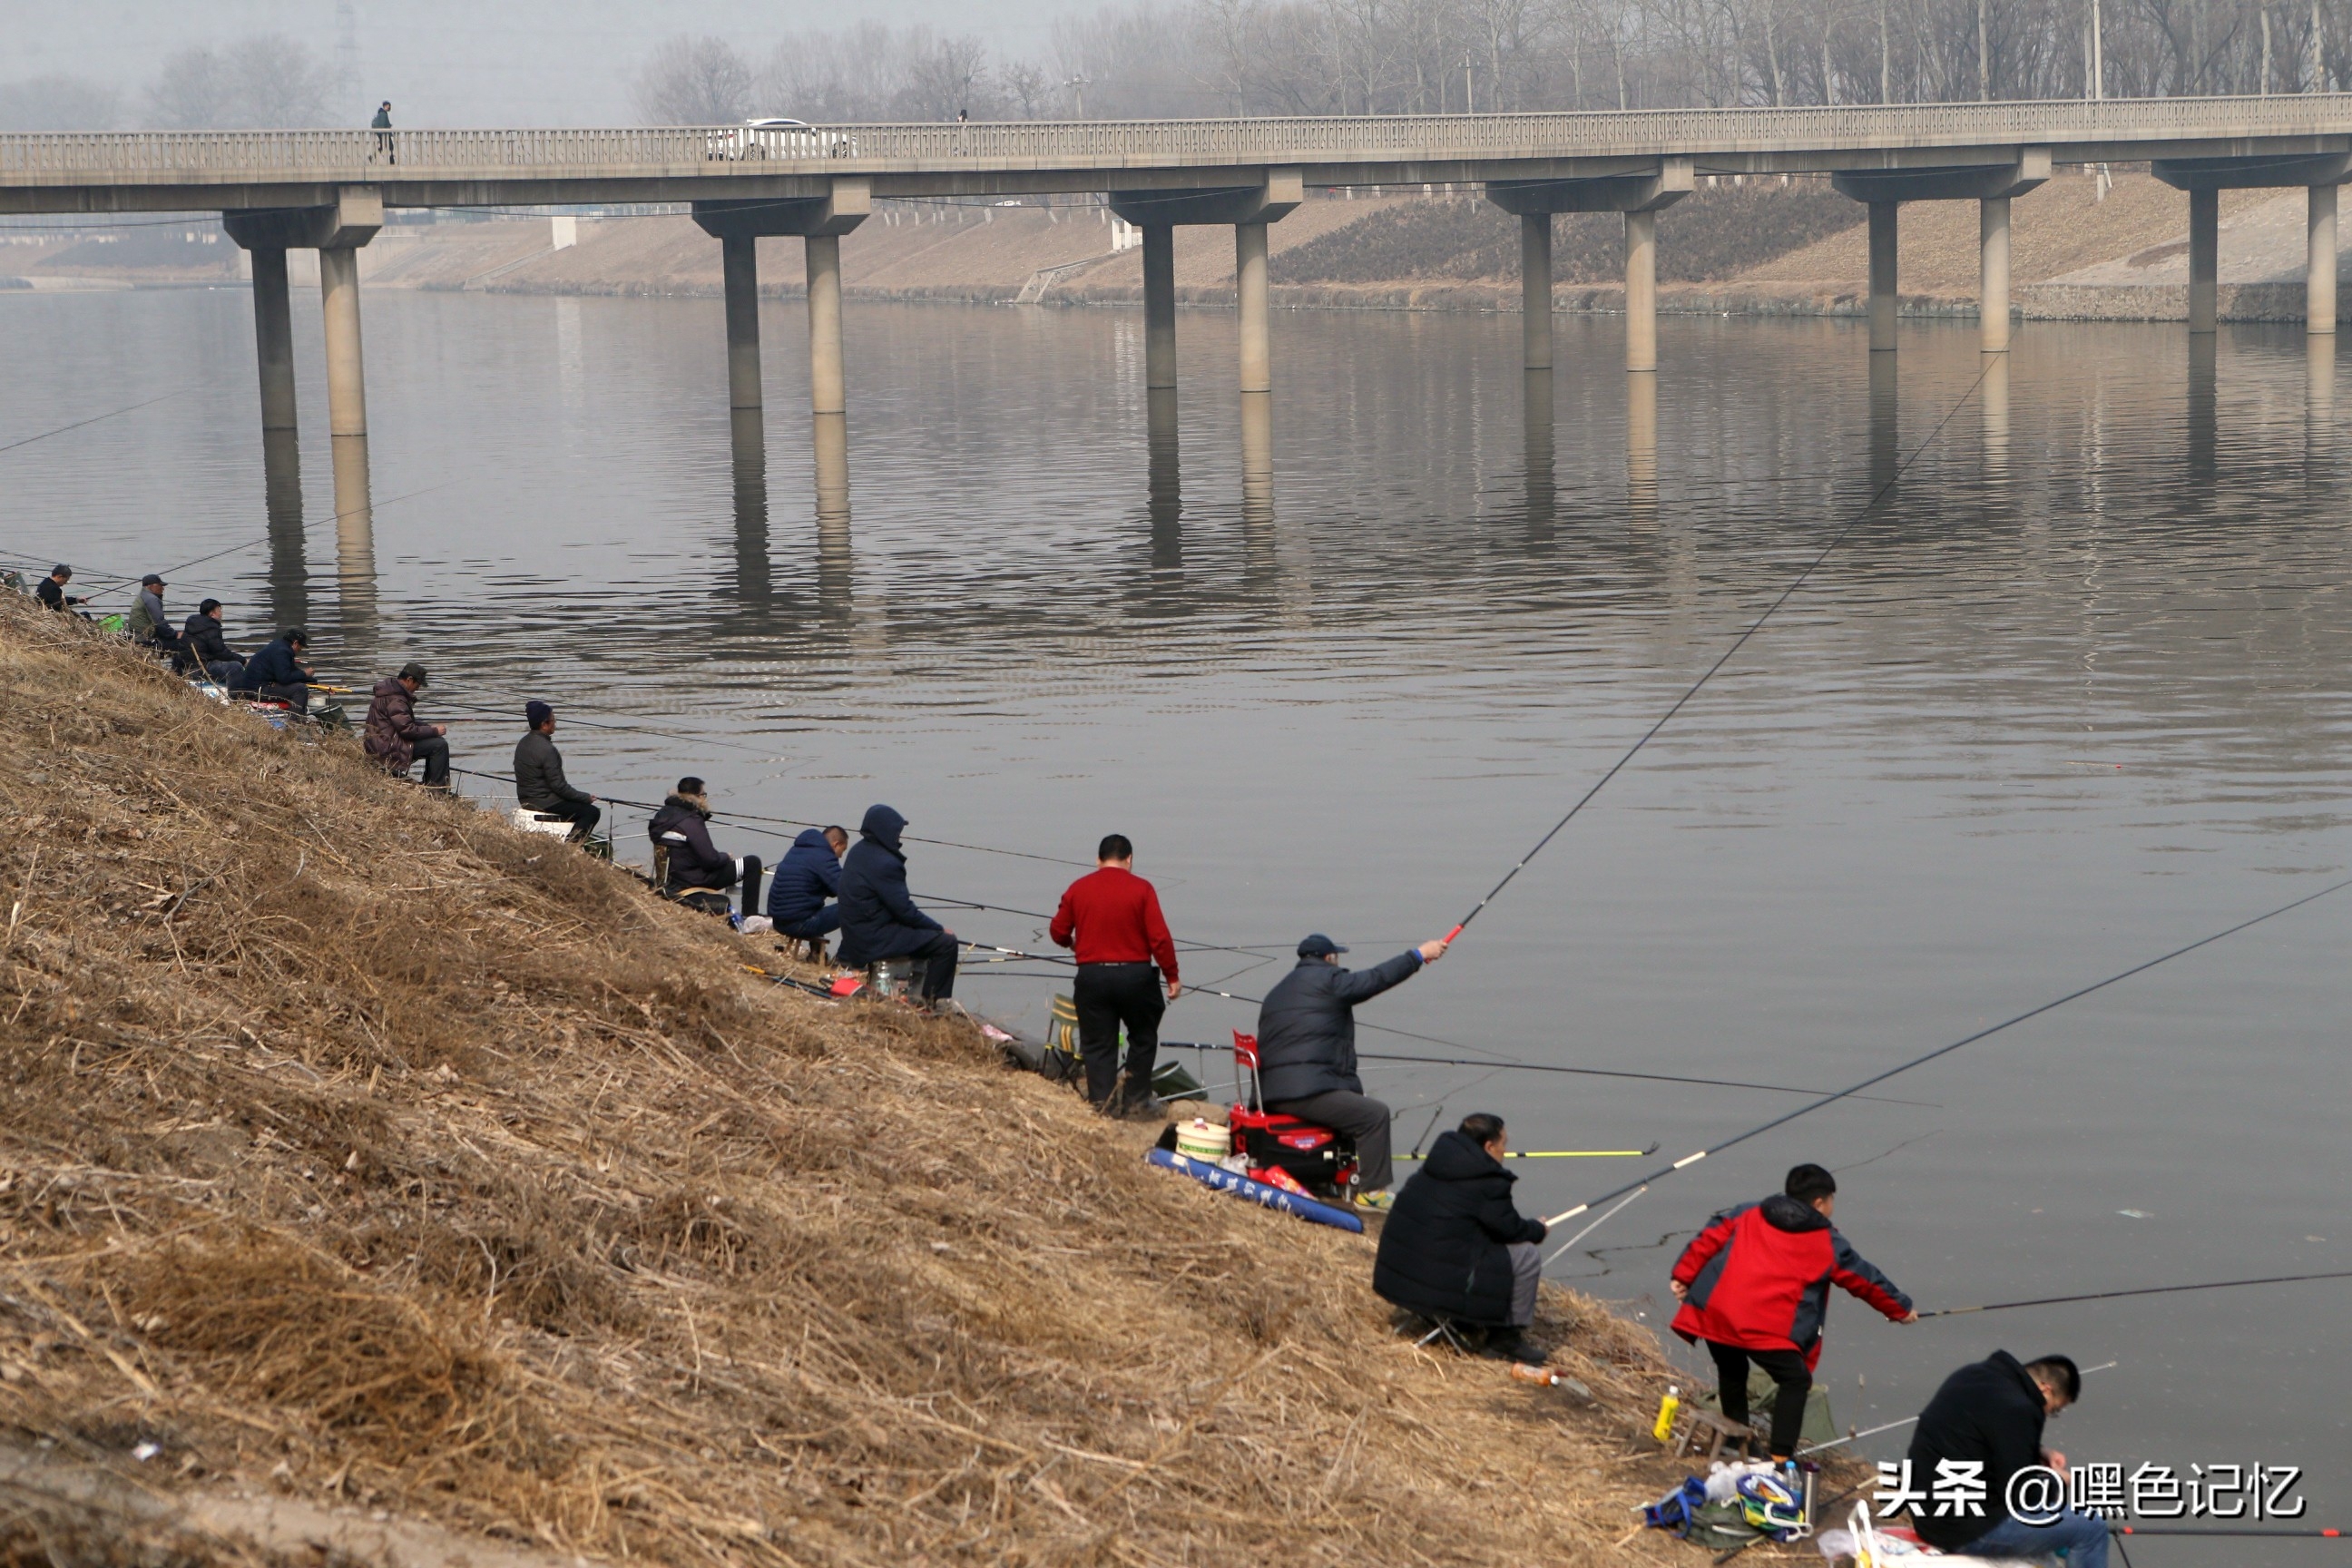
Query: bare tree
[
  {"x": 264, "y": 81},
  {"x": 695, "y": 81},
  {"x": 59, "y": 103}
]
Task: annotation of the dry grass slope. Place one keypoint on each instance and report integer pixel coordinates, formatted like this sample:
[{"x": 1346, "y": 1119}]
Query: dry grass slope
[{"x": 355, "y": 1148}]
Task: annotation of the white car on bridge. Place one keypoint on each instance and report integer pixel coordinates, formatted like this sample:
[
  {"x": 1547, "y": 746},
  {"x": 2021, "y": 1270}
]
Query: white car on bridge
[{"x": 777, "y": 137}]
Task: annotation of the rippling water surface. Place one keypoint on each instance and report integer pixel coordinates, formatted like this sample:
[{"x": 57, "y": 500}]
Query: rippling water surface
[{"x": 2072, "y": 694}]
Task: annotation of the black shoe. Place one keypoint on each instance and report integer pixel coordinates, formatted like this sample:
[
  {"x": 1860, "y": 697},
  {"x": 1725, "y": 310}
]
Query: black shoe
[{"x": 1507, "y": 1344}]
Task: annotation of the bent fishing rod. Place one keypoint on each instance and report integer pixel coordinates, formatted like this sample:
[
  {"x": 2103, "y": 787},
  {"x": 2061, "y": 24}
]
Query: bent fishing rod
[
  {"x": 1729, "y": 654},
  {"x": 1927, "y": 1057},
  {"x": 2143, "y": 1290}
]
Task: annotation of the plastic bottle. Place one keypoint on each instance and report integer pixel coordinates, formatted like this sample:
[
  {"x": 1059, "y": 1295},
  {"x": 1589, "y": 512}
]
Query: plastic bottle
[
  {"x": 1542, "y": 1374},
  {"x": 1666, "y": 1408}
]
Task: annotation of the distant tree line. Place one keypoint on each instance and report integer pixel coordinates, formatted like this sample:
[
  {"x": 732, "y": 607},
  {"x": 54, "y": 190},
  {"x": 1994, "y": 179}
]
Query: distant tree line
[
  {"x": 264, "y": 81},
  {"x": 1211, "y": 57}
]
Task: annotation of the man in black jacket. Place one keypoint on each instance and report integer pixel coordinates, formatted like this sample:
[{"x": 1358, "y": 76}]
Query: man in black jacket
[
  {"x": 539, "y": 783},
  {"x": 697, "y": 873},
  {"x": 1307, "y": 1049},
  {"x": 1455, "y": 1248},
  {"x": 878, "y": 917},
  {"x": 279, "y": 672},
  {"x": 1985, "y": 1425},
  {"x": 202, "y": 640},
  {"x": 52, "y": 589}
]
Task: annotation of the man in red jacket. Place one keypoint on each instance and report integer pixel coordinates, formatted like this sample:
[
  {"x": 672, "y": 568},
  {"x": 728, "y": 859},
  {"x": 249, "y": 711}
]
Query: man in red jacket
[
  {"x": 1755, "y": 1285},
  {"x": 1111, "y": 916}
]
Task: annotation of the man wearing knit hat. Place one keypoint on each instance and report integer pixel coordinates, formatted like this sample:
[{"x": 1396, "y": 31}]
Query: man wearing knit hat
[{"x": 539, "y": 783}]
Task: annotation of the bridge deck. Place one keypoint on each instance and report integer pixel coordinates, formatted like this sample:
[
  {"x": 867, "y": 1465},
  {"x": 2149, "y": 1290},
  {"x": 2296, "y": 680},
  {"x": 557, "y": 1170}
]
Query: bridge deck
[{"x": 114, "y": 172}]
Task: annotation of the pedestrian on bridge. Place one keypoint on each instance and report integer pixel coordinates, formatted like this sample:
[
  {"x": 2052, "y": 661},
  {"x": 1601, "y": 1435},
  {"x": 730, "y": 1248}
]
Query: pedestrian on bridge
[{"x": 383, "y": 124}]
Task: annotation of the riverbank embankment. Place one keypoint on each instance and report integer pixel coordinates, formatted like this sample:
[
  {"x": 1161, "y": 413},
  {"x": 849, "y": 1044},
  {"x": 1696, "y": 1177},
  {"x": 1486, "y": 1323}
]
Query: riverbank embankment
[{"x": 376, "y": 1177}]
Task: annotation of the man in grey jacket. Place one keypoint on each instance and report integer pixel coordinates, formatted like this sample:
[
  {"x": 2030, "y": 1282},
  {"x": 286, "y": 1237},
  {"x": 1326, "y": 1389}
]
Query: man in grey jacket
[
  {"x": 1307, "y": 1049},
  {"x": 539, "y": 783}
]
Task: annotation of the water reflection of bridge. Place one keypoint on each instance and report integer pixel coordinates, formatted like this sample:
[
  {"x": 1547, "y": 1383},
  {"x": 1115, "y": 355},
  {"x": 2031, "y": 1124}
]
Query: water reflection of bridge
[{"x": 329, "y": 191}]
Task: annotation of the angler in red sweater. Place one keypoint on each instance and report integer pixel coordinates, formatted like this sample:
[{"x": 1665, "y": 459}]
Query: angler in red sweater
[
  {"x": 1755, "y": 1285},
  {"x": 1111, "y": 916}
]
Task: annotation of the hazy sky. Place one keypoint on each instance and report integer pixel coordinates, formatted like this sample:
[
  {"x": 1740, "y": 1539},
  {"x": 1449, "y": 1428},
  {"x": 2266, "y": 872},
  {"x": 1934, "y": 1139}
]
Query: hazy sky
[{"x": 466, "y": 62}]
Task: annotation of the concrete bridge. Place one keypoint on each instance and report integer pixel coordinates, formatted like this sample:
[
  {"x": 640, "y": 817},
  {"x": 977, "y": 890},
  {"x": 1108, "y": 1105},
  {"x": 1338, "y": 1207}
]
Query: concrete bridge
[{"x": 328, "y": 190}]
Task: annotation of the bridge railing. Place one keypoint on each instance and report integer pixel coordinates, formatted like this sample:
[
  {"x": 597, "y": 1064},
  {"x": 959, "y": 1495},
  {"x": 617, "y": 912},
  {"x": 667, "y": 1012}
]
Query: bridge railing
[{"x": 223, "y": 156}]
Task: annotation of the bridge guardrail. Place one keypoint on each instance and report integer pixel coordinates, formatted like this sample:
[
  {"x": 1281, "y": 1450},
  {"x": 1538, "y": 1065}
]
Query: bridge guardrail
[{"x": 224, "y": 156}]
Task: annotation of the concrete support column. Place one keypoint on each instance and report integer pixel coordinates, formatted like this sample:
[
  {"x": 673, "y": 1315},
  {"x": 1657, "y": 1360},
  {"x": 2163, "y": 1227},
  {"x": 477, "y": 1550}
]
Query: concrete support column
[
  {"x": 1992, "y": 273},
  {"x": 273, "y": 338},
  {"x": 1250, "y": 291},
  {"x": 339, "y": 289},
  {"x": 828, "y": 382},
  {"x": 2319, "y": 275},
  {"x": 2204, "y": 260},
  {"x": 1535, "y": 288},
  {"x": 1160, "y": 306},
  {"x": 1640, "y": 291},
  {"x": 740, "y": 259},
  {"x": 1642, "y": 447},
  {"x": 1882, "y": 276}
]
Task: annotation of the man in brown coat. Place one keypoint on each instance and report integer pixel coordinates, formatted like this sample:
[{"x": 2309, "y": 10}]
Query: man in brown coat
[{"x": 395, "y": 738}]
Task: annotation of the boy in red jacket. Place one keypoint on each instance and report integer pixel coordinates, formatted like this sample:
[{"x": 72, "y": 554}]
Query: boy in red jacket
[
  {"x": 1111, "y": 917},
  {"x": 1755, "y": 1285}
]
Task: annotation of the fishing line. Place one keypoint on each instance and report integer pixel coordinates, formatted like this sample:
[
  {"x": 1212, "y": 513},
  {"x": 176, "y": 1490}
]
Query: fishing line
[
  {"x": 2321, "y": 1533},
  {"x": 2145, "y": 1291},
  {"x": 1589, "y": 1229},
  {"x": 263, "y": 539},
  {"x": 1553, "y": 1153},
  {"x": 1576, "y": 1072},
  {"x": 1926, "y": 1057},
  {"x": 1891, "y": 1425},
  {"x": 95, "y": 418},
  {"x": 1737, "y": 643}
]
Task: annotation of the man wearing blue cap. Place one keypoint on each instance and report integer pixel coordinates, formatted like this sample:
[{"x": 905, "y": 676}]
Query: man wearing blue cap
[{"x": 1307, "y": 1049}]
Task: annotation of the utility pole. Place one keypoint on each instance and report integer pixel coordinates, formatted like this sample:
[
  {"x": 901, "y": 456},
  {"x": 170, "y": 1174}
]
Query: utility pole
[
  {"x": 1077, "y": 86},
  {"x": 1469, "y": 98}
]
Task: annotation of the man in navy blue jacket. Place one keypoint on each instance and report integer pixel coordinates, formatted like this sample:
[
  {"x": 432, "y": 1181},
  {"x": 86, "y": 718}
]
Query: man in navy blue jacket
[
  {"x": 808, "y": 875},
  {"x": 878, "y": 918},
  {"x": 1307, "y": 1048}
]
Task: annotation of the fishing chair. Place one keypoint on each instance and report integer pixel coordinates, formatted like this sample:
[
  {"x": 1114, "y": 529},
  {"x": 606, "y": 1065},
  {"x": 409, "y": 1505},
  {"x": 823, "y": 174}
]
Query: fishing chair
[{"x": 1319, "y": 1158}]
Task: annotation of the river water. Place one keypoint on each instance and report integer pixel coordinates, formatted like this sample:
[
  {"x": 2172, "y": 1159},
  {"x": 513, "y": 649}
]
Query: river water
[{"x": 2073, "y": 694}]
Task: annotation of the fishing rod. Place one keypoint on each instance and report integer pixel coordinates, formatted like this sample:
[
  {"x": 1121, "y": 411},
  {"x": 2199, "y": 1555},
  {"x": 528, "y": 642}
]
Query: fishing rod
[
  {"x": 2143, "y": 1290},
  {"x": 95, "y": 418},
  {"x": 370, "y": 509},
  {"x": 1891, "y": 1425},
  {"x": 1799, "y": 581},
  {"x": 2010, "y": 1023},
  {"x": 1561, "y": 1154},
  {"x": 2315, "y": 1533},
  {"x": 1504, "y": 1062}
]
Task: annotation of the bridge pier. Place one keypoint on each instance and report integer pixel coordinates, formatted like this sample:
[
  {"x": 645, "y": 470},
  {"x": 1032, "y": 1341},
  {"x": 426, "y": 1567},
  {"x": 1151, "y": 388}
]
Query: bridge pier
[
  {"x": 2204, "y": 260},
  {"x": 1159, "y": 308},
  {"x": 2319, "y": 263},
  {"x": 1247, "y": 209},
  {"x": 819, "y": 221},
  {"x": 1535, "y": 289},
  {"x": 1254, "y": 311},
  {"x": 339, "y": 295},
  {"x": 739, "y": 268},
  {"x": 1990, "y": 185},
  {"x": 1884, "y": 299},
  {"x": 337, "y": 232},
  {"x": 1640, "y": 195},
  {"x": 273, "y": 337},
  {"x": 2206, "y": 178},
  {"x": 1992, "y": 273},
  {"x": 828, "y": 374},
  {"x": 1642, "y": 290}
]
